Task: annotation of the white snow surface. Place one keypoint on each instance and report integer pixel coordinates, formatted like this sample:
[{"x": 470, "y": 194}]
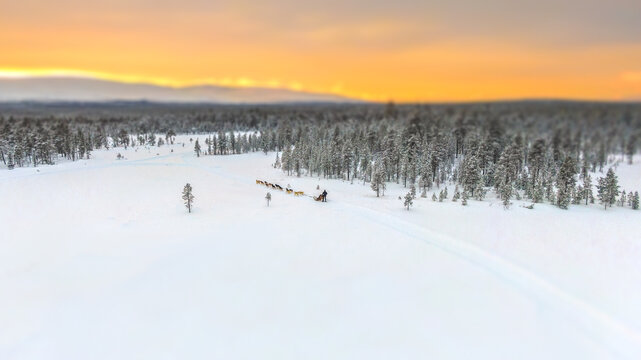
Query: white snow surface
[{"x": 99, "y": 259}]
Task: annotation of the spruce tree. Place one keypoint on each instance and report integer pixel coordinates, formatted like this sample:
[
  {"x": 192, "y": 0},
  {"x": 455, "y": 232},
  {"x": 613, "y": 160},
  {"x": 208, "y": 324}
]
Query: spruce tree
[
  {"x": 588, "y": 194},
  {"x": 188, "y": 196},
  {"x": 578, "y": 195},
  {"x": 635, "y": 201},
  {"x": 277, "y": 161},
  {"x": 623, "y": 198},
  {"x": 470, "y": 173},
  {"x": 197, "y": 148},
  {"x": 479, "y": 191},
  {"x": 378, "y": 180},
  {"x": 608, "y": 189},
  {"x": 565, "y": 183},
  {"x": 408, "y": 200},
  {"x": 538, "y": 192},
  {"x": 457, "y": 194},
  {"x": 424, "y": 191},
  {"x": 505, "y": 194}
]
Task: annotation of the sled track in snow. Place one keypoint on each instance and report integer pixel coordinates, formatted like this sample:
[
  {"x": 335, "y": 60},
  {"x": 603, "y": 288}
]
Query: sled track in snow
[{"x": 615, "y": 336}]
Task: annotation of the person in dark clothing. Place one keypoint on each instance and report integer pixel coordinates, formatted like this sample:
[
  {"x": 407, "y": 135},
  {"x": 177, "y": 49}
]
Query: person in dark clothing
[{"x": 324, "y": 195}]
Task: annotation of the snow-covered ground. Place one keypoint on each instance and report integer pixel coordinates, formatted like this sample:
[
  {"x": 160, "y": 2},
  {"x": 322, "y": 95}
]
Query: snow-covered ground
[{"x": 99, "y": 259}]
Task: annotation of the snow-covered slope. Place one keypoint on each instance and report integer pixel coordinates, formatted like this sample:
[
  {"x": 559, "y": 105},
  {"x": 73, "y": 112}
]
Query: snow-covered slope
[
  {"x": 99, "y": 259},
  {"x": 88, "y": 89}
]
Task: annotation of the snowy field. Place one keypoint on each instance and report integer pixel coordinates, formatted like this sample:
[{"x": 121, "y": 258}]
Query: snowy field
[{"x": 99, "y": 259}]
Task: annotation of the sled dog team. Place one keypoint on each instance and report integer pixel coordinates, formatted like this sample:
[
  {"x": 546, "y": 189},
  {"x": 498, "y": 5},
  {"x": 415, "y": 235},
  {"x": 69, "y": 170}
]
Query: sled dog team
[{"x": 276, "y": 186}]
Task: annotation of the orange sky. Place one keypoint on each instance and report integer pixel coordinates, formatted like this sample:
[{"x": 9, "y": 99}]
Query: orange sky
[{"x": 407, "y": 51}]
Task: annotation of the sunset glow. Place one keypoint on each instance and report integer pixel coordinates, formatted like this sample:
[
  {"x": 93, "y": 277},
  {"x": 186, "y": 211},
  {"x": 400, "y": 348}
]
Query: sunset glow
[{"x": 408, "y": 51}]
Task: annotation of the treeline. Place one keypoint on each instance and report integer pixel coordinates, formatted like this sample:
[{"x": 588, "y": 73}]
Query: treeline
[
  {"x": 542, "y": 151},
  {"x": 519, "y": 155}
]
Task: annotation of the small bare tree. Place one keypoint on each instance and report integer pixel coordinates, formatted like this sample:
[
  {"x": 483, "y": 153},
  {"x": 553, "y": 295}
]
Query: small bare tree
[{"x": 268, "y": 197}]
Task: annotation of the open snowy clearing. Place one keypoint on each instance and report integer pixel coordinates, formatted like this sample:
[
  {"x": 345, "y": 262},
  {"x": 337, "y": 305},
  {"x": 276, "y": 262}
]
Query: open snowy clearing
[{"x": 99, "y": 259}]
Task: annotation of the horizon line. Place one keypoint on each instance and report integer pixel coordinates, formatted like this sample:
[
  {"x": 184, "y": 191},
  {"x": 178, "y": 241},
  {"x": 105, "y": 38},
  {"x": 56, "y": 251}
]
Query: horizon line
[{"x": 245, "y": 83}]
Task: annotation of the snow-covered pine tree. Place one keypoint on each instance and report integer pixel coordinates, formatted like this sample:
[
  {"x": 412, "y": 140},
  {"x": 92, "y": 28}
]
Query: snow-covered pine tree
[
  {"x": 505, "y": 194},
  {"x": 378, "y": 180},
  {"x": 538, "y": 192},
  {"x": 578, "y": 195},
  {"x": 277, "y": 161},
  {"x": 464, "y": 198},
  {"x": 425, "y": 170},
  {"x": 588, "y": 194},
  {"x": 608, "y": 189},
  {"x": 442, "y": 195},
  {"x": 631, "y": 148},
  {"x": 470, "y": 175},
  {"x": 565, "y": 182},
  {"x": 197, "y": 148},
  {"x": 188, "y": 196},
  {"x": 408, "y": 200},
  {"x": 635, "y": 201},
  {"x": 434, "y": 197},
  {"x": 479, "y": 191},
  {"x": 286, "y": 161},
  {"x": 268, "y": 197},
  {"x": 457, "y": 194},
  {"x": 424, "y": 190},
  {"x": 623, "y": 198}
]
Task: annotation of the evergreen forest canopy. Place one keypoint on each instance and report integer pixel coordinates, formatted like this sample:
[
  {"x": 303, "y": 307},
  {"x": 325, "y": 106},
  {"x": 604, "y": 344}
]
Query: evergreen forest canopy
[{"x": 537, "y": 150}]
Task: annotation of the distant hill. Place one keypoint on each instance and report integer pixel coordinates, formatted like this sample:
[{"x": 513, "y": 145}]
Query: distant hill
[{"x": 74, "y": 89}]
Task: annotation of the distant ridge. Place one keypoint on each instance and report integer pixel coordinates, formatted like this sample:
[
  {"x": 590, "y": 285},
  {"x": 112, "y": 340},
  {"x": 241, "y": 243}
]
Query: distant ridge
[{"x": 76, "y": 89}]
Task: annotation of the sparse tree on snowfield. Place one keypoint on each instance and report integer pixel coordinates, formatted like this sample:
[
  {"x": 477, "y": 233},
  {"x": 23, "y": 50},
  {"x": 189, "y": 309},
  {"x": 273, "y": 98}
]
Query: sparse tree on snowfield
[
  {"x": 608, "y": 189},
  {"x": 188, "y": 197},
  {"x": 268, "y": 197},
  {"x": 408, "y": 200},
  {"x": 635, "y": 201},
  {"x": 197, "y": 148},
  {"x": 434, "y": 197}
]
